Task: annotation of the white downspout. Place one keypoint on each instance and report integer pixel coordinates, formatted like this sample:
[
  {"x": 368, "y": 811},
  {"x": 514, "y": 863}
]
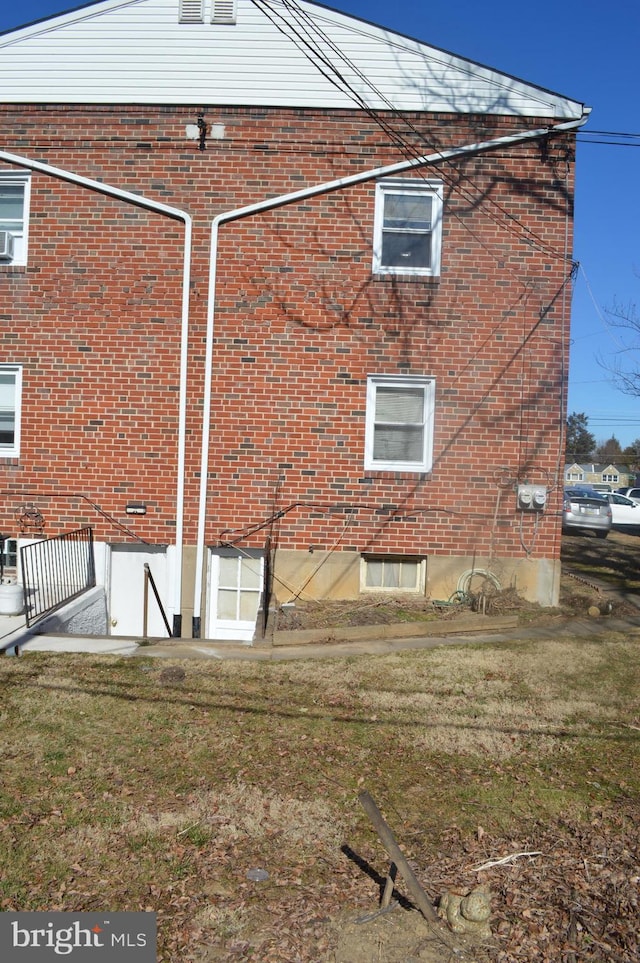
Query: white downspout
[
  {"x": 281, "y": 201},
  {"x": 175, "y": 599}
]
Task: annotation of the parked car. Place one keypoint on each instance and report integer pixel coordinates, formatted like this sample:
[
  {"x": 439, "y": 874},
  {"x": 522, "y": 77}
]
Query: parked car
[
  {"x": 629, "y": 492},
  {"x": 625, "y": 512},
  {"x": 586, "y": 510}
]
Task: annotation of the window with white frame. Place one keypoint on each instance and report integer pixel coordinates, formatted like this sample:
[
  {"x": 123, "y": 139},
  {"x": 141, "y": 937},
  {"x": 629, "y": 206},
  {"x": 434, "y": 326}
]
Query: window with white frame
[
  {"x": 14, "y": 217},
  {"x": 611, "y": 478},
  {"x": 399, "y": 423},
  {"x": 407, "y": 227},
  {"x": 10, "y": 396},
  {"x": 9, "y": 554},
  {"x": 392, "y": 573}
]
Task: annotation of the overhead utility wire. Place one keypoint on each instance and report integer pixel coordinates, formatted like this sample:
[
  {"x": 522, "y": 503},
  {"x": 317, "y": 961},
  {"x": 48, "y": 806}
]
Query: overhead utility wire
[
  {"x": 624, "y": 142},
  {"x": 610, "y": 143},
  {"x": 611, "y": 133},
  {"x": 312, "y": 51}
]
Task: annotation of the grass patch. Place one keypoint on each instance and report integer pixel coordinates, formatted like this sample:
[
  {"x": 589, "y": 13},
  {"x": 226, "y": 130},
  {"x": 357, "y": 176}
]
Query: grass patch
[{"x": 122, "y": 792}]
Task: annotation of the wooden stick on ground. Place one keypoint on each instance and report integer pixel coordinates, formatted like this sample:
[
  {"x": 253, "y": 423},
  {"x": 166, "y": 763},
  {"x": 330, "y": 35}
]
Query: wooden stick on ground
[
  {"x": 396, "y": 854},
  {"x": 388, "y": 886}
]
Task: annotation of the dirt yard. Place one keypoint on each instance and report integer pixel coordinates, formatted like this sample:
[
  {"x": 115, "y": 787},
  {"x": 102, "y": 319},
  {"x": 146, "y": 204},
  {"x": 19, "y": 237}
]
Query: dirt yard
[{"x": 600, "y": 573}]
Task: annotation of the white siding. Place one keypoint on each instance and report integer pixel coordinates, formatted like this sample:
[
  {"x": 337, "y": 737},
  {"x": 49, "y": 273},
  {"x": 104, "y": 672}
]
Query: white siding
[{"x": 137, "y": 51}]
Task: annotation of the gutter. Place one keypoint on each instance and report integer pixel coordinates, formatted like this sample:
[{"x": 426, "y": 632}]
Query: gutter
[
  {"x": 281, "y": 201},
  {"x": 138, "y": 200}
]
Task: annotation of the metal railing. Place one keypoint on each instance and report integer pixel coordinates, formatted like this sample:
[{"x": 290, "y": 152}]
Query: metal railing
[
  {"x": 149, "y": 580},
  {"x": 56, "y": 570}
]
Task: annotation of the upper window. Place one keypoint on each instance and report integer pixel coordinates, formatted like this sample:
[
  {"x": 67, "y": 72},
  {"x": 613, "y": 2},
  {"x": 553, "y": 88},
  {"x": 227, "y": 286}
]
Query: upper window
[
  {"x": 408, "y": 227},
  {"x": 10, "y": 394},
  {"x": 399, "y": 428},
  {"x": 14, "y": 215}
]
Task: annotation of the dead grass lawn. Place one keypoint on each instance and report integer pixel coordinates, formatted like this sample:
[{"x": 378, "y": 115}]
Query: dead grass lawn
[{"x": 122, "y": 792}]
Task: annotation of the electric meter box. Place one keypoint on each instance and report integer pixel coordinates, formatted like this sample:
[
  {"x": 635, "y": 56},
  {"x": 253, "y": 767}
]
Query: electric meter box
[{"x": 532, "y": 498}]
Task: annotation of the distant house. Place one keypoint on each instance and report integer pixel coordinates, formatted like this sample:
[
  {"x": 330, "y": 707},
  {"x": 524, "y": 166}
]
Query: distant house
[
  {"x": 282, "y": 319},
  {"x": 615, "y": 476}
]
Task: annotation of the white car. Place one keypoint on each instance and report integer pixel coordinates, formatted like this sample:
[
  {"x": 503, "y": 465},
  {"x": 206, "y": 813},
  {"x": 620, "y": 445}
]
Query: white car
[
  {"x": 624, "y": 511},
  {"x": 633, "y": 493}
]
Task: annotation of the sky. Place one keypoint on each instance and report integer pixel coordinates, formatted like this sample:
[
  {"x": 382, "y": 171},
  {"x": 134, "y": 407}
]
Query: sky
[{"x": 588, "y": 53}]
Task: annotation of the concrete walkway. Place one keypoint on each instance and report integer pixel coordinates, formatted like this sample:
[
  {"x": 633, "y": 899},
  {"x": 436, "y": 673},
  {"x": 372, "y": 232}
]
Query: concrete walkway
[{"x": 372, "y": 640}]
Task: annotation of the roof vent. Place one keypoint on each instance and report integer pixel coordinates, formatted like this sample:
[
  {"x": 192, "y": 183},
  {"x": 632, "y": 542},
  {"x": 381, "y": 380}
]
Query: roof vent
[
  {"x": 223, "y": 11},
  {"x": 191, "y": 11}
]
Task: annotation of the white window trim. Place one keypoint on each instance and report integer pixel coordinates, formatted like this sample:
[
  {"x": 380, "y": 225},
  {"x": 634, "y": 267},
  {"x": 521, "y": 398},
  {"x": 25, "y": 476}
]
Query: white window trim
[
  {"x": 13, "y": 451},
  {"x": 426, "y": 462},
  {"x": 421, "y": 574},
  {"x": 408, "y": 186},
  {"x": 10, "y": 548},
  {"x": 19, "y": 259}
]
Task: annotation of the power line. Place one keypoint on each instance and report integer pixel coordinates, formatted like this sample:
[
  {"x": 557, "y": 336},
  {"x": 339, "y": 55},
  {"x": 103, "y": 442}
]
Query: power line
[
  {"x": 609, "y": 143},
  {"x": 308, "y": 37},
  {"x": 609, "y": 133}
]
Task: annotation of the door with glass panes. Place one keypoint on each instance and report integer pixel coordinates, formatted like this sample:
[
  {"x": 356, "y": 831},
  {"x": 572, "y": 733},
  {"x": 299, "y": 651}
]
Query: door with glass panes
[{"x": 235, "y": 589}]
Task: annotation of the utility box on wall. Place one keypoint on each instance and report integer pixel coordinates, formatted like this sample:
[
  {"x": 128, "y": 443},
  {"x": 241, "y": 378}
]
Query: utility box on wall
[{"x": 532, "y": 498}]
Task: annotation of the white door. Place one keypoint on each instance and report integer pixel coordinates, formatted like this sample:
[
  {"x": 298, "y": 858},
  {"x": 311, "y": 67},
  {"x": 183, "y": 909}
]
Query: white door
[
  {"x": 235, "y": 589},
  {"x": 127, "y": 591}
]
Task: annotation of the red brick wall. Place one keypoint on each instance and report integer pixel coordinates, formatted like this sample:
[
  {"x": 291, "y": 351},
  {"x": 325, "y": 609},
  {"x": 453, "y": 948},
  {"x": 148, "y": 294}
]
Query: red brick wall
[{"x": 300, "y": 323}]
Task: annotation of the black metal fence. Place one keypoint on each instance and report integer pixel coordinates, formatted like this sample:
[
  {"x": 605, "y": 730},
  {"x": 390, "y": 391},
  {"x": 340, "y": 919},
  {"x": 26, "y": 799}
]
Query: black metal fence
[{"x": 56, "y": 570}]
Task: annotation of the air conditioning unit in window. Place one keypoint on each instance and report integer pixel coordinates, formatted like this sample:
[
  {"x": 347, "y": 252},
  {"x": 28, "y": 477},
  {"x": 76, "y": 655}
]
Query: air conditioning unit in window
[{"x": 6, "y": 246}]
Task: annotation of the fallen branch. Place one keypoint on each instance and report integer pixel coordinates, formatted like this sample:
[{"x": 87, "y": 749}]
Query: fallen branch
[
  {"x": 505, "y": 859},
  {"x": 388, "y": 841}
]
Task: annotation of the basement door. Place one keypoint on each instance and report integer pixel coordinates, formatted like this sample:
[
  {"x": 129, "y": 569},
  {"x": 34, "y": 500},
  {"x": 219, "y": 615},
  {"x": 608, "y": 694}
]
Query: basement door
[
  {"x": 126, "y": 597},
  {"x": 234, "y": 593}
]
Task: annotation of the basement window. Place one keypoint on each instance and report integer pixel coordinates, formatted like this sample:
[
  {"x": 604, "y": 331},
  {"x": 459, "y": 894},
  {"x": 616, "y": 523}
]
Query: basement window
[
  {"x": 10, "y": 555},
  {"x": 407, "y": 227},
  {"x": 392, "y": 573}
]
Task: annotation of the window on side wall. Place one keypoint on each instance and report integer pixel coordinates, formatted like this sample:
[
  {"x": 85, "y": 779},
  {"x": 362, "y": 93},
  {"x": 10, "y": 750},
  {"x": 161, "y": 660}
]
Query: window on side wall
[
  {"x": 407, "y": 227},
  {"x": 10, "y": 396},
  {"x": 399, "y": 423},
  {"x": 391, "y": 573},
  {"x": 10, "y": 555},
  {"x": 14, "y": 217}
]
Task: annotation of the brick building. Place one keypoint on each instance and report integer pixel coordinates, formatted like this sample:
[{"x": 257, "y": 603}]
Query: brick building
[{"x": 281, "y": 314}]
